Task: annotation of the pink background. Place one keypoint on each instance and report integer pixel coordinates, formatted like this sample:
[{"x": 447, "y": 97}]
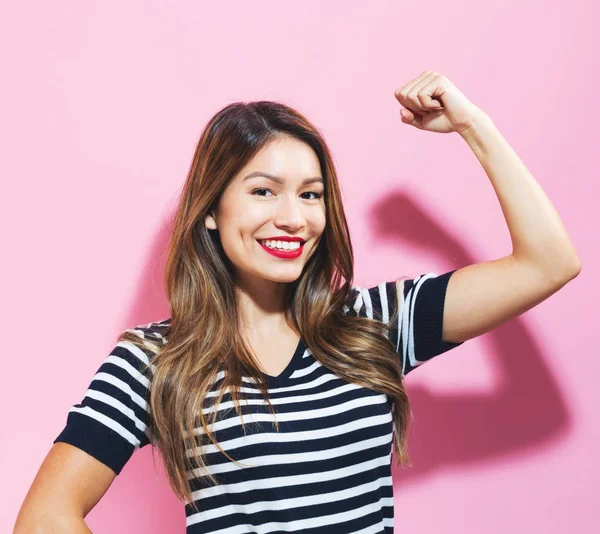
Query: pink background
[{"x": 101, "y": 108}]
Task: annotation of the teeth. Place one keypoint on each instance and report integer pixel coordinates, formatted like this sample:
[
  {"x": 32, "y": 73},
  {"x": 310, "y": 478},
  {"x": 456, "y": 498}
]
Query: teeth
[{"x": 282, "y": 245}]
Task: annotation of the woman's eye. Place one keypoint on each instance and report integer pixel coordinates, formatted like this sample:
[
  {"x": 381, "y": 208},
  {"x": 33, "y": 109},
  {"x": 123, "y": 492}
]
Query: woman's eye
[
  {"x": 261, "y": 189},
  {"x": 317, "y": 195}
]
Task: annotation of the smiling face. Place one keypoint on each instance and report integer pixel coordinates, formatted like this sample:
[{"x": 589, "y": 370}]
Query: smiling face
[{"x": 255, "y": 207}]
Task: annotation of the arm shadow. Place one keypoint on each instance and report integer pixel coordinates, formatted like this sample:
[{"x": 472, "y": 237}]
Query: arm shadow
[{"x": 524, "y": 411}]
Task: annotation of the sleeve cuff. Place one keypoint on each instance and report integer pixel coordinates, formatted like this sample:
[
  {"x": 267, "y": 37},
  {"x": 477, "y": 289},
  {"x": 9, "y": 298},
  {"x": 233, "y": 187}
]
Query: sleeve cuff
[
  {"x": 430, "y": 314},
  {"x": 97, "y": 440}
]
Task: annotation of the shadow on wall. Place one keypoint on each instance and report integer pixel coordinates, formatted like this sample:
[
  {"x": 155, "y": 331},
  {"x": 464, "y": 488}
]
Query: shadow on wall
[
  {"x": 448, "y": 430},
  {"x": 525, "y": 409}
]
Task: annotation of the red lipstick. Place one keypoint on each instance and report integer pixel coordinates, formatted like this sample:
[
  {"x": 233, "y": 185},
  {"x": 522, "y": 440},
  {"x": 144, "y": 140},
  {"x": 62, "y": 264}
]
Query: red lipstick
[
  {"x": 284, "y": 254},
  {"x": 283, "y": 238}
]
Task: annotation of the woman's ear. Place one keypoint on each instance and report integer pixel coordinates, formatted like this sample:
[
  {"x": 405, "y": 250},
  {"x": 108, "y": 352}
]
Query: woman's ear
[{"x": 210, "y": 222}]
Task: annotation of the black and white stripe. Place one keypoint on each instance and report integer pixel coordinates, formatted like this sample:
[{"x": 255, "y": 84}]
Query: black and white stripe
[{"x": 420, "y": 315}]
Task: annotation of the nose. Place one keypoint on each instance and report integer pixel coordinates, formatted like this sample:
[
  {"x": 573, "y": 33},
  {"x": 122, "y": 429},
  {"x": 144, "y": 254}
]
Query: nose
[{"x": 289, "y": 215}]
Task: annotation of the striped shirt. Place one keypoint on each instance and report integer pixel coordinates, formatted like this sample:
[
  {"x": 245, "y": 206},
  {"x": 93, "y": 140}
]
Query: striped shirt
[{"x": 328, "y": 469}]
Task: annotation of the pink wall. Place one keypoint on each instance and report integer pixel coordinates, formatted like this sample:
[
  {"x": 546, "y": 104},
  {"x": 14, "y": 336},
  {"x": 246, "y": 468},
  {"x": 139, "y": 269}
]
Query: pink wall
[{"x": 101, "y": 107}]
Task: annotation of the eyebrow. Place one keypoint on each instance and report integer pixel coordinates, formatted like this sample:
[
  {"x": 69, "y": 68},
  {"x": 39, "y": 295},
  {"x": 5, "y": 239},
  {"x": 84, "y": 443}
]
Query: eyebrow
[{"x": 281, "y": 180}]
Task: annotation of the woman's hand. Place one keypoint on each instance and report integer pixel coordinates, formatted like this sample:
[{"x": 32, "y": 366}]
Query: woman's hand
[{"x": 434, "y": 104}]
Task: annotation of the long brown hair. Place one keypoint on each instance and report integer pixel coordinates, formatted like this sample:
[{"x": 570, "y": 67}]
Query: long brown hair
[{"x": 204, "y": 332}]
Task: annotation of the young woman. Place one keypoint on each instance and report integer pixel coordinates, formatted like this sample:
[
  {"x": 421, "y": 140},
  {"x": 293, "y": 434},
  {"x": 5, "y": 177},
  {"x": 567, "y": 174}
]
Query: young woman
[{"x": 275, "y": 390}]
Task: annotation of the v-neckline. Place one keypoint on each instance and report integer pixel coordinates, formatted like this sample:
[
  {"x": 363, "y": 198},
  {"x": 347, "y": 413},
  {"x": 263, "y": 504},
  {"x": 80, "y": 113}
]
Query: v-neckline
[{"x": 289, "y": 368}]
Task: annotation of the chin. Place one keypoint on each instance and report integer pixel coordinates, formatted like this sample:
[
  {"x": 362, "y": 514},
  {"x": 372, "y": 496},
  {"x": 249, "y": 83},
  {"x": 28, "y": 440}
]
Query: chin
[
  {"x": 283, "y": 279},
  {"x": 284, "y": 276}
]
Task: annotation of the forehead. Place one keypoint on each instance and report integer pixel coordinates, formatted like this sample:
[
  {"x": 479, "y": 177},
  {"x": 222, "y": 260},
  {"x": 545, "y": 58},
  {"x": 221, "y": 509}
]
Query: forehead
[{"x": 286, "y": 158}]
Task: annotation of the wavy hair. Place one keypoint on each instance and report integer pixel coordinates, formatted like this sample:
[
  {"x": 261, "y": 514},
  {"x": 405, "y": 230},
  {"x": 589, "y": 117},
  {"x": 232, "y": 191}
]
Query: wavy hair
[{"x": 204, "y": 340}]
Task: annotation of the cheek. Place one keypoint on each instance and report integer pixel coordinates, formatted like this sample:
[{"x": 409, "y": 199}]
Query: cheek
[
  {"x": 238, "y": 218},
  {"x": 243, "y": 224},
  {"x": 319, "y": 221}
]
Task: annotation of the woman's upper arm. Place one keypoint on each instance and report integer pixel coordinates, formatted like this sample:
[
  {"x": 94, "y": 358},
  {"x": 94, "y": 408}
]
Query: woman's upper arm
[{"x": 69, "y": 483}]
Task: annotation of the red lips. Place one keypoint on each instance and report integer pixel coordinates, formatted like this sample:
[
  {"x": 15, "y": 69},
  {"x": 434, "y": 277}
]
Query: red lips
[
  {"x": 284, "y": 254},
  {"x": 283, "y": 238}
]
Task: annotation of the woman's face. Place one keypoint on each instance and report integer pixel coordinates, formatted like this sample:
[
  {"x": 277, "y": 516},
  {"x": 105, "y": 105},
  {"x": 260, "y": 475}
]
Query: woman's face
[{"x": 255, "y": 207}]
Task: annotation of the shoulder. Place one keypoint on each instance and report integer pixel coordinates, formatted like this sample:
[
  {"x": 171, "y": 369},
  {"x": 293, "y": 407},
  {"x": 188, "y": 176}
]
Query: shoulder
[
  {"x": 375, "y": 302},
  {"x": 144, "y": 341},
  {"x": 153, "y": 332}
]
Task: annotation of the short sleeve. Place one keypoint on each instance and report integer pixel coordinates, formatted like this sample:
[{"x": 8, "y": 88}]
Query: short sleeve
[
  {"x": 417, "y": 332},
  {"x": 110, "y": 422}
]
